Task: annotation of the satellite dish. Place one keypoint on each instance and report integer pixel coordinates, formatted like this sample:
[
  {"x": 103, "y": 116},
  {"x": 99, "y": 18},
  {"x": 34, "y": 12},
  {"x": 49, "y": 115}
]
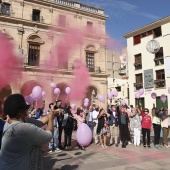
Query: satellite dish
[{"x": 153, "y": 46}]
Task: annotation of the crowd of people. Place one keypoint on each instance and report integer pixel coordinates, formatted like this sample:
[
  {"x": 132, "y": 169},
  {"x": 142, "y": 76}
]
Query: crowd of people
[{"x": 24, "y": 129}]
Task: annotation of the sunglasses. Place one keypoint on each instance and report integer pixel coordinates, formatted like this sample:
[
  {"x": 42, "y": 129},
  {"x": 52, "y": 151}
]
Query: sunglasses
[{"x": 145, "y": 111}]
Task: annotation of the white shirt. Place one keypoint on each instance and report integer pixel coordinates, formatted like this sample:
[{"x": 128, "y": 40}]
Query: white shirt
[
  {"x": 95, "y": 114},
  {"x": 90, "y": 116},
  {"x": 114, "y": 113}
]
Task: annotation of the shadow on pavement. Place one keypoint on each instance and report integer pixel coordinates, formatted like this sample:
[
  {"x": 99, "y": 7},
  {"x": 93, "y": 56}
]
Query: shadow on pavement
[{"x": 67, "y": 167}]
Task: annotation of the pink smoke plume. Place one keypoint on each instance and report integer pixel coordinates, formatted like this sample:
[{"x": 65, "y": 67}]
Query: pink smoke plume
[
  {"x": 9, "y": 67},
  {"x": 62, "y": 50},
  {"x": 81, "y": 82},
  {"x": 114, "y": 45}
]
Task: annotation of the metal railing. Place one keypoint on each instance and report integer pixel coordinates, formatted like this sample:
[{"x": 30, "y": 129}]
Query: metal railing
[
  {"x": 160, "y": 83},
  {"x": 138, "y": 86}
]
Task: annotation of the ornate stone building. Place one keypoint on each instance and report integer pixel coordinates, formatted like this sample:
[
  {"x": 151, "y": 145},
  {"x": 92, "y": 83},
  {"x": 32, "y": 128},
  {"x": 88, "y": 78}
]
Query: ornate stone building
[{"x": 27, "y": 23}]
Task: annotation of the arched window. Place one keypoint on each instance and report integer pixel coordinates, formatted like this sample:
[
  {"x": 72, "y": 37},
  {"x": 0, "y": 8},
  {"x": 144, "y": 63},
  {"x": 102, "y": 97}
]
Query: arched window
[
  {"x": 90, "y": 53},
  {"x": 34, "y": 50}
]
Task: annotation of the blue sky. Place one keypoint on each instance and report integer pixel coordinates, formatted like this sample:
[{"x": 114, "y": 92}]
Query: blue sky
[{"x": 128, "y": 15}]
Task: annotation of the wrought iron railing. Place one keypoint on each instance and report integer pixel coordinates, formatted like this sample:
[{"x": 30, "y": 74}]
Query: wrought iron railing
[
  {"x": 160, "y": 83},
  {"x": 138, "y": 86}
]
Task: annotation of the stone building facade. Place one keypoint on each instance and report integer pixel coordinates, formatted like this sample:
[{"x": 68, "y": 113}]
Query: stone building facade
[{"x": 27, "y": 23}]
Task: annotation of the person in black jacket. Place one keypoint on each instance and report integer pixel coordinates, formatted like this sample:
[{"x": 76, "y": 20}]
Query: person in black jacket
[
  {"x": 68, "y": 124},
  {"x": 123, "y": 125},
  {"x": 113, "y": 125},
  {"x": 60, "y": 119}
]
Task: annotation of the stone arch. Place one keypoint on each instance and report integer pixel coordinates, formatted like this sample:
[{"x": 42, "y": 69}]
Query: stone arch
[
  {"x": 92, "y": 93},
  {"x": 27, "y": 87},
  {"x": 35, "y": 38},
  {"x": 5, "y": 92},
  {"x": 90, "y": 48}
]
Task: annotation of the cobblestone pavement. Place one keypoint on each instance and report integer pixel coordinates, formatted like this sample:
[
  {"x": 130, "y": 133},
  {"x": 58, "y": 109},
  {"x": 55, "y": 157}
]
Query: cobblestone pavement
[{"x": 112, "y": 158}]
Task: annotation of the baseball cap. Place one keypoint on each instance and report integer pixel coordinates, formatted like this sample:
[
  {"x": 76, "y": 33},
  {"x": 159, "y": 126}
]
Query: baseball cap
[{"x": 13, "y": 104}]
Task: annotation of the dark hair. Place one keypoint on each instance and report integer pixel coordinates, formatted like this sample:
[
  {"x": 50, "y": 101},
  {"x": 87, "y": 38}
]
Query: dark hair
[
  {"x": 101, "y": 110},
  {"x": 15, "y": 106},
  {"x": 68, "y": 109},
  {"x": 146, "y": 110},
  {"x": 78, "y": 111},
  {"x": 113, "y": 105},
  {"x": 50, "y": 105}
]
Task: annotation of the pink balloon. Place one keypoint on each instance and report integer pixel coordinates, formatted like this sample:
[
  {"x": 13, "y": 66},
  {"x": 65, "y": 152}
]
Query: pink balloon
[
  {"x": 137, "y": 95},
  {"x": 141, "y": 91},
  {"x": 40, "y": 98},
  {"x": 163, "y": 98},
  {"x": 153, "y": 95},
  {"x": 86, "y": 104},
  {"x": 29, "y": 100},
  {"x": 123, "y": 102},
  {"x": 36, "y": 92},
  {"x": 68, "y": 90},
  {"x": 43, "y": 93},
  {"x": 115, "y": 93},
  {"x": 101, "y": 98},
  {"x": 84, "y": 135},
  {"x": 57, "y": 91},
  {"x": 53, "y": 85},
  {"x": 109, "y": 95},
  {"x": 169, "y": 90},
  {"x": 73, "y": 106},
  {"x": 86, "y": 100}
]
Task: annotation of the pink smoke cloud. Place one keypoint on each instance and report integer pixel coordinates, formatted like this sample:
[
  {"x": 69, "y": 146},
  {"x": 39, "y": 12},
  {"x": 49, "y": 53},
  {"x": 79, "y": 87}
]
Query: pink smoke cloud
[
  {"x": 81, "y": 82},
  {"x": 10, "y": 69}
]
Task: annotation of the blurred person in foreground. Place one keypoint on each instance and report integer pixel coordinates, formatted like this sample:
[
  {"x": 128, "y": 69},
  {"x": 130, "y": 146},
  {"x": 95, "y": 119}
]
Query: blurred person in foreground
[{"x": 22, "y": 136}]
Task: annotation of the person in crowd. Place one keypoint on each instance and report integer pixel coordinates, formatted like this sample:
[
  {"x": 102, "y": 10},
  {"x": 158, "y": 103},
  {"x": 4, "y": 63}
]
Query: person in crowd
[
  {"x": 2, "y": 122},
  {"x": 135, "y": 126},
  {"x": 60, "y": 120},
  {"x": 68, "y": 124},
  {"x": 156, "y": 122},
  {"x": 53, "y": 145},
  {"x": 123, "y": 125},
  {"x": 23, "y": 137},
  {"x": 80, "y": 119},
  {"x": 95, "y": 123},
  {"x": 103, "y": 127},
  {"x": 113, "y": 125},
  {"x": 90, "y": 118},
  {"x": 128, "y": 110},
  {"x": 166, "y": 127},
  {"x": 146, "y": 125}
]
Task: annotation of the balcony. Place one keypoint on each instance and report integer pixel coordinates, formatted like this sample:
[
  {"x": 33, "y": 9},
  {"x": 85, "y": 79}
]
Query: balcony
[
  {"x": 160, "y": 83},
  {"x": 122, "y": 71},
  {"x": 159, "y": 61},
  {"x": 138, "y": 86},
  {"x": 138, "y": 66},
  {"x": 37, "y": 18}
]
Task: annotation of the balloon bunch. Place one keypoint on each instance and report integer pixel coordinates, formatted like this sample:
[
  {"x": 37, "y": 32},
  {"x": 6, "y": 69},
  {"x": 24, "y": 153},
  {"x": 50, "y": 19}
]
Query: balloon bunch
[
  {"x": 36, "y": 95},
  {"x": 139, "y": 93}
]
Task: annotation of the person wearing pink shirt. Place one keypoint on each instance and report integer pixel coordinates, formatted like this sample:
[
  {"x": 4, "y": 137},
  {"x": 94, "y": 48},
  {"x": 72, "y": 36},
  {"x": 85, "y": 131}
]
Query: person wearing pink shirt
[{"x": 146, "y": 126}]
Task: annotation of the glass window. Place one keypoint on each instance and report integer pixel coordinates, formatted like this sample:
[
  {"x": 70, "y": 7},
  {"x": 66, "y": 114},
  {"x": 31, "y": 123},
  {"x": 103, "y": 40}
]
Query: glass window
[
  {"x": 5, "y": 8},
  {"x": 36, "y": 15},
  {"x": 90, "y": 61},
  {"x": 33, "y": 55}
]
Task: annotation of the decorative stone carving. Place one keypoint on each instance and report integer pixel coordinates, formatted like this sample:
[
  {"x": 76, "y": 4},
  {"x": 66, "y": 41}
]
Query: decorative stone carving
[{"x": 35, "y": 29}]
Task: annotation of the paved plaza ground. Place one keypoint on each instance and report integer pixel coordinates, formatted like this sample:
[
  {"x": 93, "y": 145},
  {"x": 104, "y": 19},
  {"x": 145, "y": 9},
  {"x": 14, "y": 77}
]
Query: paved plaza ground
[{"x": 112, "y": 158}]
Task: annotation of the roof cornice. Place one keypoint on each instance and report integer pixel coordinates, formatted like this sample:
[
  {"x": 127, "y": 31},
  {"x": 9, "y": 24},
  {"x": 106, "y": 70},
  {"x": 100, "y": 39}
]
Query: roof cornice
[{"x": 147, "y": 27}]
